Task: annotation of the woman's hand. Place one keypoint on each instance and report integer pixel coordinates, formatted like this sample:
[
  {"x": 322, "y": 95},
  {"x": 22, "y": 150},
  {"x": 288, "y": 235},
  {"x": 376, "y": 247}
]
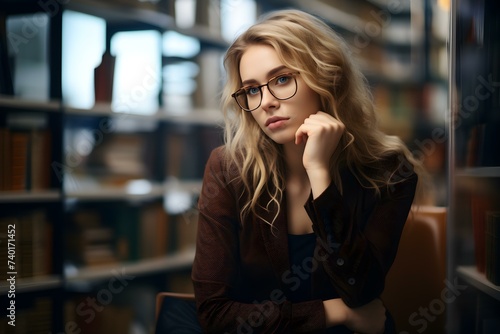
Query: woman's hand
[
  {"x": 367, "y": 319},
  {"x": 321, "y": 133}
]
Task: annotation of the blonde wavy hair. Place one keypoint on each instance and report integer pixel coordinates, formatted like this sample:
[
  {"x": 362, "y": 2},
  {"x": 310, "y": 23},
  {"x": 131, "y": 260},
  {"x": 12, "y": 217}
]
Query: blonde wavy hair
[{"x": 306, "y": 44}]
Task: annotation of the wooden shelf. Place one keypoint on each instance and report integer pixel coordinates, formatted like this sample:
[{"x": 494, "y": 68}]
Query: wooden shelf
[
  {"x": 122, "y": 193},
  {"x": 194, "y": 116},
  {"x": 479, "y": 281},
  {"x": 32, "y": 284},
  {"x": 116, "y": 193},
  {"x": 190, "y": 186},
  {"x": 142, "y": 267},
  {"x": 30, "y": 196},
  {"x": 491, "y": 172},
  {"x": 191, "y": 116},
  {"x": 19, "y": 103},
  {"x": 105, "y": 110}
]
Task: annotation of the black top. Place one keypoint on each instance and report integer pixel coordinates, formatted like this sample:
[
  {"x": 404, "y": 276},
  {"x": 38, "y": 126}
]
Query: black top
[
  {"x": 302, "y": 264},
  {"x": 301, "y": 250}
]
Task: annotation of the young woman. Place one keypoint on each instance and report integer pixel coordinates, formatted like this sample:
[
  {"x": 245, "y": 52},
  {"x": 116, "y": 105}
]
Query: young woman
[{"x": 302, "y": 209}]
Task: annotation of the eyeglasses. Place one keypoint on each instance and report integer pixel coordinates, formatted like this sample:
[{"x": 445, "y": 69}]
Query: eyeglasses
[{"x": 282, "y": 87}]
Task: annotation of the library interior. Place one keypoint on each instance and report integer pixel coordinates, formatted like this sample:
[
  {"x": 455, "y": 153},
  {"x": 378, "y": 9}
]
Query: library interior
[{"x": 109, "y": 111}]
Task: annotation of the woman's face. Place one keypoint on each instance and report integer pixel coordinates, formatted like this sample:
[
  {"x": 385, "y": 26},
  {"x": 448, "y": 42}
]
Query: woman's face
[{"x": 279, "y": 119}]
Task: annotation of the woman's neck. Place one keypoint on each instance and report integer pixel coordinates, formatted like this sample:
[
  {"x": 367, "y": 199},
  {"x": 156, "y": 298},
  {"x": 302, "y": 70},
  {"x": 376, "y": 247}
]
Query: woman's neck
[{"x": 293, "y": 160}]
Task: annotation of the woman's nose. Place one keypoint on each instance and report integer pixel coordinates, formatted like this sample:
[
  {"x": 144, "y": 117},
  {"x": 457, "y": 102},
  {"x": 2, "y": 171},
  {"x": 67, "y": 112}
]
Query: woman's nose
[{"x": 268, "y": 99}]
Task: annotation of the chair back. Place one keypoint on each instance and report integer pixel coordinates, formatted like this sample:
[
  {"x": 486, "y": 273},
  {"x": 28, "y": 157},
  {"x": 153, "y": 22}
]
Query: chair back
[
  {"x": 176, "y": 313},
  {"x": 416, "y": 279}
]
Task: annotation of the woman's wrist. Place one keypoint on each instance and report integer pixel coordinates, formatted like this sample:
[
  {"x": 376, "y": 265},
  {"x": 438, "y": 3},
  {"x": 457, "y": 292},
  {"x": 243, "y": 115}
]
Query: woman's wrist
[
  {"x": 335, "y": 312},
  {"x": 319, "y": 179}
]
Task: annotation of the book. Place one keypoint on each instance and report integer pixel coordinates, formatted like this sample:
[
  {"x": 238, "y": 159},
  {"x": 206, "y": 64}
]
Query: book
[
  {"x": 33, "y": 243},
  {"x": 154, "y": 231},
  {"x": 19, "y": 153},
  {"x": 90, "y": 242},
  {"x": 474, "y": 144},
  {"x": 25, "y": 152},
  {"x": 25, "y": 235},
  {"x": 5, "y": 160},
  {"x": 126, "y": 222},
  {"x": 118, "y": 159},
  {"x": 40, "y": 158},
  {"x": 492, "y": 240},
  {"x": 480, "y": 204}
]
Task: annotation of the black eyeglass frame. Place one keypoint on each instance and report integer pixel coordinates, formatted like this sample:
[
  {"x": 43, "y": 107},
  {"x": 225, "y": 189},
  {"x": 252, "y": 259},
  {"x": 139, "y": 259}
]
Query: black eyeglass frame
[{"x": 242, "y": 89}]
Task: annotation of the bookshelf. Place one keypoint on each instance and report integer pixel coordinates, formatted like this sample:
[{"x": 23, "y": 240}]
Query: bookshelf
[
  {"x": 473, "y": 277},
  {"x": 116, "y": 202},
  {"x": 474, "y": 174}
]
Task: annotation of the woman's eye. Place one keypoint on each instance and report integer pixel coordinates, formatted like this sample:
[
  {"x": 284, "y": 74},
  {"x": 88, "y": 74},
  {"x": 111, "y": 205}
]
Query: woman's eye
[
  {"x": 252, "y": 91},
  {"x": 282, "y": 80}
]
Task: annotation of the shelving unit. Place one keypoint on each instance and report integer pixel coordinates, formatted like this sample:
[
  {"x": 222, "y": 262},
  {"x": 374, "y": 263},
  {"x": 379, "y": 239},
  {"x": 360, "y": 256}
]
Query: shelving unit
[
  {"x": 474, "y": 172},
  {"x": 67, "y": 197},
  {"x": 479, "y": 281}
]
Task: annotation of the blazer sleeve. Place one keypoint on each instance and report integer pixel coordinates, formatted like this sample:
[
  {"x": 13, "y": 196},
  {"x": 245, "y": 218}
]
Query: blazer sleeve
[
  {"x": 215, "y": 270},
  {"x": 360, "y": 248}
]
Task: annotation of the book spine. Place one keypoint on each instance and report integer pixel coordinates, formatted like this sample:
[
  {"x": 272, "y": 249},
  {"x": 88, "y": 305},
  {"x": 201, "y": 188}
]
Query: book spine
[
  {"x": 493, "y": 247},
  {"x": 5, "y": 160},
  {"x": 19, "y": 160},
  {"x": 479, "y": 206}
]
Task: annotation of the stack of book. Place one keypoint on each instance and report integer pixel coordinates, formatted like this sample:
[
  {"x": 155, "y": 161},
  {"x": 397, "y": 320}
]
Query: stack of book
[
  {"x": 90, "y": 242},
  {"x": 118, "y": 233},
  {"x": 25, "y": 153}
]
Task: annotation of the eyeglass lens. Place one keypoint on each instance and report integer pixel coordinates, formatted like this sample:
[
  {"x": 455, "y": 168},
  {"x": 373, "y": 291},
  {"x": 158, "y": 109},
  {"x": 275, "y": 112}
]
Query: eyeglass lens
[{"x": 282, "y": 87}]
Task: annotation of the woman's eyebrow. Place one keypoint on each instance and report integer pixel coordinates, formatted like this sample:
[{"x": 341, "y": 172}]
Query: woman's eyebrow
[{"x": 270, "y": 74}]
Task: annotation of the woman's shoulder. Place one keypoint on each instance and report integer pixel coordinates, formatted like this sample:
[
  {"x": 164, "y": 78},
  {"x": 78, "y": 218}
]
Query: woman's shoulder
[
  {"x": 389, "y": 169},
  {"x": 217, "y": 154},
  {"x": 219, "y": 162},
  {"x": 397, "y": 162},
  {"x": 217, "y": 159}
]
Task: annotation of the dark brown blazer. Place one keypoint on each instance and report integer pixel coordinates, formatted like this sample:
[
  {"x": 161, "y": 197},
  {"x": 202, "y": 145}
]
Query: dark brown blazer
[{"x": 241, "y": 272}]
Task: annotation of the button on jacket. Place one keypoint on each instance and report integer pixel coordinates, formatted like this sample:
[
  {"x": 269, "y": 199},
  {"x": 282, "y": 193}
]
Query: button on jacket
[{"x": 241, "y": 272}]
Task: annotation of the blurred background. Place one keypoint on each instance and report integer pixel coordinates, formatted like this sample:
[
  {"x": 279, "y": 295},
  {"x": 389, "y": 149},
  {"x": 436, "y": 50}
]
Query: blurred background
[{"x": 109, "y": 110}]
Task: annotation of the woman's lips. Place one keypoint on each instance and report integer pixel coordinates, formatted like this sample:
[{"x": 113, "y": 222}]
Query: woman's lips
[{"x": 275, "y": 122}]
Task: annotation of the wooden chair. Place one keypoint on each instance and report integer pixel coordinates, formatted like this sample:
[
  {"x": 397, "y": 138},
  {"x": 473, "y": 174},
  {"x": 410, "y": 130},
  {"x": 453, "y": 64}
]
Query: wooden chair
[
  {"x": 416, "y": 280},
  {"x": 176, "y": 313}
]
